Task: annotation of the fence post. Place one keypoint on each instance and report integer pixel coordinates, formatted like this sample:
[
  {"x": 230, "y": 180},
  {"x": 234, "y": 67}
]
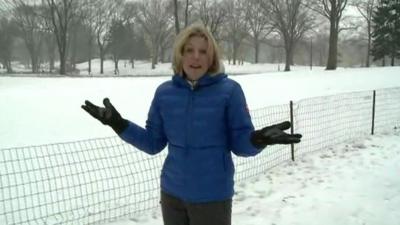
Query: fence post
[
  {"x": 291, "y": 128},
  {"x": 373, "y": 113}
]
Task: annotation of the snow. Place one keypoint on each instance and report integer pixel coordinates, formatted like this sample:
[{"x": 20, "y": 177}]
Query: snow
[
  {"x": 25, "y": 98},
  {"x": 354, "y": 183},
  {"x": 350, "y": 184}
]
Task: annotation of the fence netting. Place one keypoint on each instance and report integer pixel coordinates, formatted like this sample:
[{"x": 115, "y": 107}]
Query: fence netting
[
  {"x": 101, "y": 180},
  {"x": 387, "y": 110},
  {"x": 330, "y": 120}
]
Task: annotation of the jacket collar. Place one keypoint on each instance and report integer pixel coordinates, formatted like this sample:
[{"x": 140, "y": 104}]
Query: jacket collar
[{"x": 205, "y": 80}]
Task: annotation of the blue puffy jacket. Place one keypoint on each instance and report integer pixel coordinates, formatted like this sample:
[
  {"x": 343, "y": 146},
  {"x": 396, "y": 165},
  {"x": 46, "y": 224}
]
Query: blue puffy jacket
[{"x": 202, "y": 126}]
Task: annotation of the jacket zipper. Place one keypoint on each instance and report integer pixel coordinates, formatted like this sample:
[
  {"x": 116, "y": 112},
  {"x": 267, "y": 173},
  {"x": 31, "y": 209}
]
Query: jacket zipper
[{"x": 189, "y": 112}]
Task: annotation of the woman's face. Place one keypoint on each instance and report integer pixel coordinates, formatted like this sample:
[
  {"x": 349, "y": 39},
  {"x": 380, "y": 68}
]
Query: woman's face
[{"x": 195, "y": 58}]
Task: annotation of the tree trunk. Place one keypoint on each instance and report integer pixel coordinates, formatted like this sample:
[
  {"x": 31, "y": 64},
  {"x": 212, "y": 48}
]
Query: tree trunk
[
  {"x": 311, "y": 54},
  {"x": 62, "y": 62},
  {"x": 392, "y": 60},
  {"x": 332, "y": 52},
  {"x": 90, "y": 43},
  {"x": 33, "y": 55},
  {"x": 321, "y": 58},
  {"x": 89, "y": 65},
  {"x": 291, "y": 60},
  {"x": 101, "y": 59},
  {"x": 51, "y": 48},
  {"x": 52, "y": 62},
  {"x": 7, "y": 65},
  {"x": 154, "y": 55},
  {"x": 34, "y": 60},
  {"x": 101, "y": 62},
  {"x": 235, "y": 51},
  {"x": 256, "y": 49},
  {"x": 116, "y": 69},
  {"x": 176, "y": 16},
  {"x": 162, "y": 55},
  {"x": 62, "y": 49},
  {"x": 101, "y": 65},
  {"x": 73, "y": 46},
  {"x": 34, "y": 64},
  {"x": 288, "y": 52},
  {"x": 63, "y": 54},
  {"x": 187, "y": 13},
  {"x": 367, "y": 63}
]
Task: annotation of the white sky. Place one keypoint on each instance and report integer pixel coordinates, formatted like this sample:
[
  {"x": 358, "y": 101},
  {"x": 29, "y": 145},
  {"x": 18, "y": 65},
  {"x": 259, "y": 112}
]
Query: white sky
[{"x": 350, "y": 184}]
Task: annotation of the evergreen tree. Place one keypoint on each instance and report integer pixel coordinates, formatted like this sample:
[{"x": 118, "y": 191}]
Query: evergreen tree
[{"x": 386, "y": 35}]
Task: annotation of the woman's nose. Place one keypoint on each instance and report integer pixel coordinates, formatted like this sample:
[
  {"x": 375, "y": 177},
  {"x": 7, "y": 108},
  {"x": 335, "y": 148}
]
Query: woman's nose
[{"x": 196, "y": 54}]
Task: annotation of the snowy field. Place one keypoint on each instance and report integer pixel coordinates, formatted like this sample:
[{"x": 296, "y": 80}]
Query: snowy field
[
  {"x": 353, "y": 183},
  {"x": 47, "y": 110}
]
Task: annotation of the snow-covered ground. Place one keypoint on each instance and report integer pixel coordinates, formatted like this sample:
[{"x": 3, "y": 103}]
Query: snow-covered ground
[
  {"x": 354, "y": 183},
  {"x": 142, "y": 68},
  {"x": 351, "y": 184},
  {"x": 47, "y": 110}
]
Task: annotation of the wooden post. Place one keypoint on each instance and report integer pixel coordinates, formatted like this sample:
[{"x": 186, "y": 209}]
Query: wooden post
[
  {"x": 291, "y": 128},
  {"x": 373, "y": 113}
]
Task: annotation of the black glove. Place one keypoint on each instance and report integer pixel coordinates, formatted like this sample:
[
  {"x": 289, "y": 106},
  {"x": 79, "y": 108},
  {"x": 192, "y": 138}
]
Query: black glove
[
  {"x": 108, "y": 115},
  {"x": 274, "y": 135}
]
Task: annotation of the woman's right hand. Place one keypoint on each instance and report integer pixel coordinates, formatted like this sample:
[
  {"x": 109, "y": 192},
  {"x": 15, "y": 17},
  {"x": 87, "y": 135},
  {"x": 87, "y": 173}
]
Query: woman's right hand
[{"x": 107, "y": 115}]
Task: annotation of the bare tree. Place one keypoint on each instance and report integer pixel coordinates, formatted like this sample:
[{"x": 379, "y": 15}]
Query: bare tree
[
  {"x": 237, "y": 27},
  {"x": 166, "y": 42},
  {"x": 156, "y": 21},
  {"x": 51, "y": 48},
  {"x": 366, "y": 9},
  {"x": 106, "y": 11},
  {"x": 333, "y": 11},
  {"x": 321, "y": 47},
  {"x": 89, "y": 10},
  {"x": 176, "y": 15},
  {"x": 87, "y": 13},
  {"x": 291, "y": 21},
  {"x": 6, "y": 8},
  {"x": 8, "y": 30},
  {"x": 258, "y": 23},
  {"x": 129, "y": 17},
  {"x": 61, "y": 14},
  {"x": 187, "y": 13},
  {"x": 27, "y": 16},
  {"x": 213, "y": 14}
]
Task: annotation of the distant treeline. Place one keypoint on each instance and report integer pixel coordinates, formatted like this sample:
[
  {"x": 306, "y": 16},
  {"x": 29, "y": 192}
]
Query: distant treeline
[{"x": 40, "y": 33}]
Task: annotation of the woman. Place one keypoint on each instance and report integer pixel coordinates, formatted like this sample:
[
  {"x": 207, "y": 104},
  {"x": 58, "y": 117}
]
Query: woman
[{"x": 202, "y": 115}]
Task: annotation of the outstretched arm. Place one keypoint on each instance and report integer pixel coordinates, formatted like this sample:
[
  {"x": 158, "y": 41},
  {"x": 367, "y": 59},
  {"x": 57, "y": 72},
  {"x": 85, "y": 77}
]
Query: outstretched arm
[{"x": 150, "y": 140}]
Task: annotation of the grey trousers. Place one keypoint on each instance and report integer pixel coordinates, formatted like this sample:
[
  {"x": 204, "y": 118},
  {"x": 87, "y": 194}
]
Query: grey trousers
[{"x": 178, "y": 212}]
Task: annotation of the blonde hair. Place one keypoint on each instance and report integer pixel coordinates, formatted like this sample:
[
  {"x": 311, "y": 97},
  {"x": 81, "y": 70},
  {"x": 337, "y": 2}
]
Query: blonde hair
[{"x": 195, "y": 30}]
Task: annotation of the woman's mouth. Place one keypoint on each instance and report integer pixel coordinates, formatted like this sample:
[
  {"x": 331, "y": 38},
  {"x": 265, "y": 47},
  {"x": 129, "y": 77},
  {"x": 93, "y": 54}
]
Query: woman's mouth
[{"x": 195, "y": 67}]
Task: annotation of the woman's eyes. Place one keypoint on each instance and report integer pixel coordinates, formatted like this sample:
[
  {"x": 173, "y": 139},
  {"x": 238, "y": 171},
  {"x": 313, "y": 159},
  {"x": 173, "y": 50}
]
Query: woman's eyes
[{"x": 191, "y": 50}]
